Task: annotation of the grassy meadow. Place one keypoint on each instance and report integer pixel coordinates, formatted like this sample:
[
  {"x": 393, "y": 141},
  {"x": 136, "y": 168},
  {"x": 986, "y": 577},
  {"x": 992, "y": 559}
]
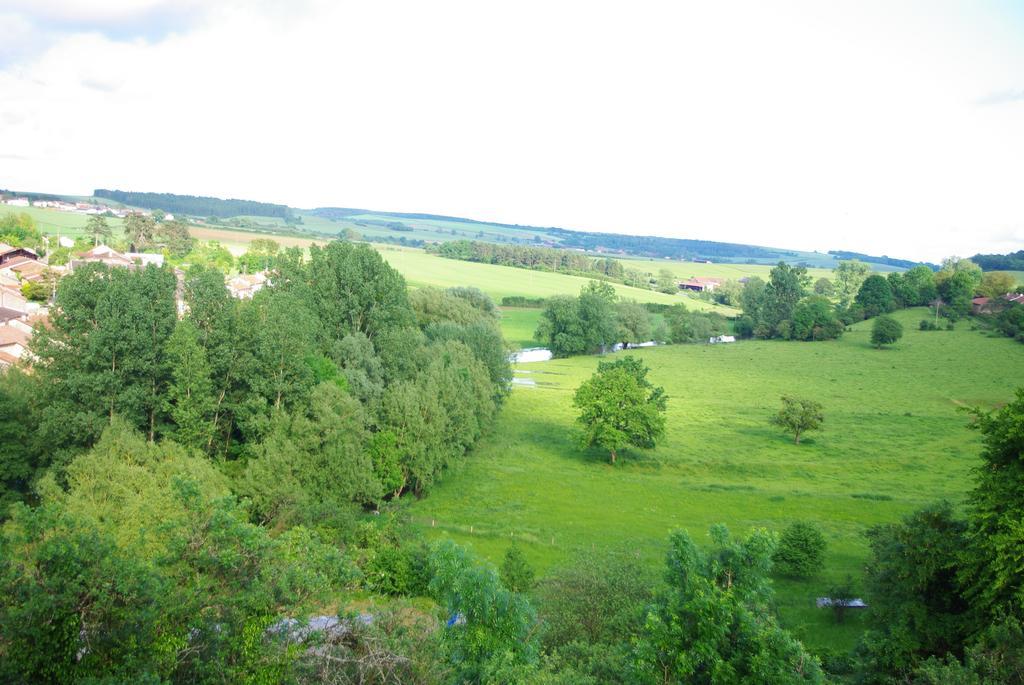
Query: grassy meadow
[
  {"x": 700, "y": 270},
  {"x": 894, "y": 440}
]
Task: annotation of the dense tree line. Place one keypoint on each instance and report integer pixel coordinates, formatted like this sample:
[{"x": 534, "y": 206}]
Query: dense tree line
[
  {"x": 194, "y": 205},
  {"x": 782, "y": 308},
  {"x": 540, "y": 258},
  {"x": 884, "y": 259},
  {"x": 674, "y": 248},
  {"x": 788, "y": 307},
  {"x": 947, "y": 591},
  {"x": 1013, "y": 261},
  {"x": 407, "y": 385},
  {"x": 19, "y": 230}
]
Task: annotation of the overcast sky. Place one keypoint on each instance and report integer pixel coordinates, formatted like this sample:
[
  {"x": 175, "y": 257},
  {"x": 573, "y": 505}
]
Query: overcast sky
[{"x": 881, "y": 127}]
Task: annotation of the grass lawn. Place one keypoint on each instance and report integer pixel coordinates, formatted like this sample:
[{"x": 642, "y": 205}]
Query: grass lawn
[
  {"x": 894, "y": 440},
  {"x": 698, "y": 270},
  {"x": 53, "y": 222},
  {"x": 518, "y": 325}
]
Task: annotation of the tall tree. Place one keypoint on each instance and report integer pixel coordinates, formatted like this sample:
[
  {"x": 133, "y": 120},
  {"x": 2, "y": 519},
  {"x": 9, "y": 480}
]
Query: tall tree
[
  {"x": 994, "y": 574},
  {"x": 798, "y": 416},
  {"x": 104, "y": 354},
  {"x": 140, "y": 230},
  {"x": 598, "y": 315},
  {"x": 190, "y": 399},
  {"x": 875, "y": 296},
  {"x": 786, "y": 287},
  {"x": 560, "y": 328},
  {"x": 98, "y": 228},
  {"x": 849, "y": 275},
  {"x": 620, "y": 407},
  {"x": 634, "y": 322},
  {"x": 713, "y": 623}
]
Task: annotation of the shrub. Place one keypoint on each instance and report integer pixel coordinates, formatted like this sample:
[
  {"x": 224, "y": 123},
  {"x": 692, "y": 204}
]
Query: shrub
[
  {"x": 515, "y": 572},
  {"x": 885, "y": 331},
  {"x": 801, "y": 550}
]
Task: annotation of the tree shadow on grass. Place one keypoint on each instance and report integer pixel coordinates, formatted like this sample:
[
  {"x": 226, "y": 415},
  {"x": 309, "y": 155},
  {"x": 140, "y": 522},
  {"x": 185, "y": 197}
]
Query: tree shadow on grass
[{"x": 563, "y": 441}]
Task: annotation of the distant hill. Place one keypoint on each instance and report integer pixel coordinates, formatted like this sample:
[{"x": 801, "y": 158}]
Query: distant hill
[
  {"x": 418, "y": 229},
  {"x": 884, "y": 259},
  {"x": 195, "y": 205},
  {"x": 1013, "y": 261}
]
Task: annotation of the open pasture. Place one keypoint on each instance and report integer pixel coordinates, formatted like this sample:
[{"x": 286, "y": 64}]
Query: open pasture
[
  {"x": 734, "y": 272},
  {"x": 895, "y": 438}
]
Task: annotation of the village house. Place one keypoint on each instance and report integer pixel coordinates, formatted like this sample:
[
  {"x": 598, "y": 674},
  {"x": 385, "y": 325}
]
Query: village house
[
  {"x": 244, "y": 286},
  {"x": 700, "y": 284},
  {"x": 9, "y": 253}
]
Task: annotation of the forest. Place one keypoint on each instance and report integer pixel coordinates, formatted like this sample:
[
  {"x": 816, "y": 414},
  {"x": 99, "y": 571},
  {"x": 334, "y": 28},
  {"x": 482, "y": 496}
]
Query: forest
[
  {"x": 673, "y": 248},
  {"x": 1013, "y": 261},
  {"x": 535, "y": 257},
  {"x": 193, "y": 205}
]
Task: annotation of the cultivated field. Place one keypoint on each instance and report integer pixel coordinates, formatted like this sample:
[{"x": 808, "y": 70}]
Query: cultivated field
[
  {"x": 714, "y": 270},
  {"x": 894, "y": 440}
]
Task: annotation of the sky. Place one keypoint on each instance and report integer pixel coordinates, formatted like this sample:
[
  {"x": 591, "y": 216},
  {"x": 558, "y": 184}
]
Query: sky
[{"x": 886, "y": 127}]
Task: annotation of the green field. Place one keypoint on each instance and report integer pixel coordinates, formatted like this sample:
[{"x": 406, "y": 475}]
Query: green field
[
  {"x": 894, "y": 440},
  {"x": 698, "y": 269},
  {"x": 53, "y": 222},
  {"x": 424, "y": 269},
  {"x": 518, "y": 325}
]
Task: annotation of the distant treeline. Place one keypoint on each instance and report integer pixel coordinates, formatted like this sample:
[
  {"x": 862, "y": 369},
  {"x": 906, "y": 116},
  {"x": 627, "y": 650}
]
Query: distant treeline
[
  {"x": 654, "y": 246},
  {"x": 343, "y": 212},
  {"x": 531, "y": 257},
  {"x": 902, "y": 263},
  {"x": 196, "y": 205},
  {"x": 1000, "y": 262}
]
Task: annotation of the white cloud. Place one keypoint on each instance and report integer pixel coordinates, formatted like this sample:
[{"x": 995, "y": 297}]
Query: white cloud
[{"x": 816, "y": 126}]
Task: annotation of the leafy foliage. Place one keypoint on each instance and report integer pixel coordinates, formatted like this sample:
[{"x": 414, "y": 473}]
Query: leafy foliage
[
  {"x": 619, "y": 407},
  {"x": 801, "y": 550},
  {"x": 798, "y": 416},
  {"x": 885, "y": 331},
  {"x": 712, "y": 624}
]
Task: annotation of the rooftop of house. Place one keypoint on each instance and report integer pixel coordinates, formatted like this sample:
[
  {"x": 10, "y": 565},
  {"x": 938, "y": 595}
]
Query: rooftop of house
[{"x": 13, "y": 336}]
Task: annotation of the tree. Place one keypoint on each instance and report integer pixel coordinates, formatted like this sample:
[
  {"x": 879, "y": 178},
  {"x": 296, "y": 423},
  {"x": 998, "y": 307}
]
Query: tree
[
  {"x": 560, "y": 328},
  {"x": 667, "y": 282},
  {"x": 593, "y": 609},
  {"x": 875, "y": 296},
  {"x": 993, "y": 573},
  {"x": 997, "y": 284},
  {"x": 918, "y": 608},
  {"x": 801, "y": 550},
  {"x": 798, "y": 416},
  {"x": 619, "y": 407},
  {"x": 190, "y": 401},
  {"x": 174, "y": 237},
  {"x": 98, "y": 228},
  {"x": 918, "y": 286},
  {"x": 815, "y": 319},
  {"x": 825, "y": 287},
  {"x": 713, "y": 623},
  {"x": 488, "y": 627},
  {"x": 849, "y": 276},
  {"x": 786, "y": 287},
  {"x": 598, "y": 315},
  {"x": 634, "y": 322},
  {"x": 516, "y": 573},
  {"x": 105, "y": 353},
  {"x": 885, "y": 331},
  {"x": 140, "y": 230}
]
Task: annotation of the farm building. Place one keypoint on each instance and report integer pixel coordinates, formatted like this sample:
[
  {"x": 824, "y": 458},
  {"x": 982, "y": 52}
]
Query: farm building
[{"x": 700, "y": 284}]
